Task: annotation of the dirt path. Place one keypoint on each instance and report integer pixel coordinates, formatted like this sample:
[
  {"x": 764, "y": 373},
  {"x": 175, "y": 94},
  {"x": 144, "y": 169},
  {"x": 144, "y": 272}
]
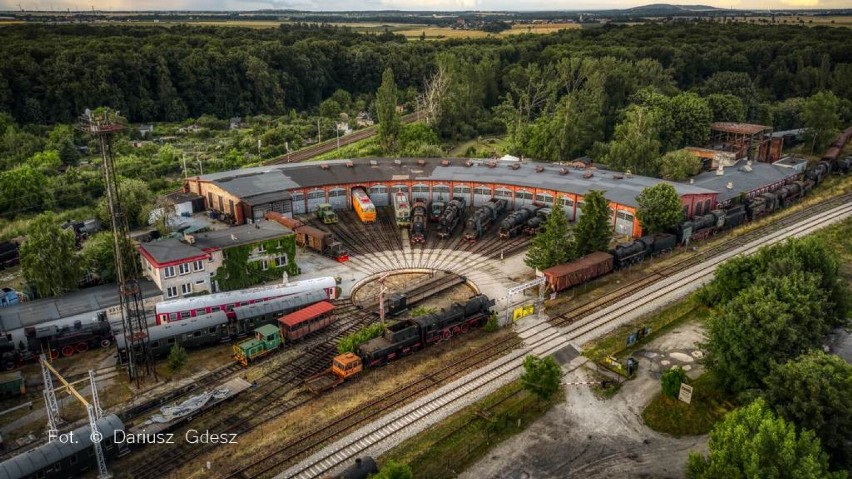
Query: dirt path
[{"x": 589, "y": 438}]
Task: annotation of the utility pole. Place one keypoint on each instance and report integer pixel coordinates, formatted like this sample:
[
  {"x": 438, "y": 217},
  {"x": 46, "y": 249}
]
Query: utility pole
[
  {"x": 134, "y": 322},
  {"x": 200, "y": 168},
  {"x": 319, "y": 132}
]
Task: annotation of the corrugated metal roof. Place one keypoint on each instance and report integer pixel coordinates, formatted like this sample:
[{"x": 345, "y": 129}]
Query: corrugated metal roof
[
  {"x": 275, "y": 306},
  {"x": 304, "y": 314},
  {"x": 30, "y": 462},
  {"x": 742, "y": 181},
  {"x": 366, "y": 170},
  {"x": 168, "y": 330},
  {"x": 89, "y": 300}
]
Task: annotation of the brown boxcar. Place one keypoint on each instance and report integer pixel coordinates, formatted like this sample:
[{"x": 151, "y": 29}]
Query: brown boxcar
[
  {"x": 307, "y": 320},
  {"x": 283, "y": 220},
  {"x": 564, "y": 276}
]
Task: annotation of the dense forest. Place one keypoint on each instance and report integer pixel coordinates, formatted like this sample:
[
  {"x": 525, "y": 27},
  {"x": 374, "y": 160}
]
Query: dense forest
[
  {"x": 629, "y": 97},
  {"x": 48, "y": 74}
]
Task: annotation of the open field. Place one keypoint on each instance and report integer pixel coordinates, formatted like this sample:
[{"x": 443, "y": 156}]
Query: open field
[{"x": 808, "y": 20}]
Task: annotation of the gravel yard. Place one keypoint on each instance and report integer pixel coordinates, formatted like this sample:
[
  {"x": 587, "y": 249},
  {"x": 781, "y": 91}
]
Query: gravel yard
[{"x": 592, "y": 438}]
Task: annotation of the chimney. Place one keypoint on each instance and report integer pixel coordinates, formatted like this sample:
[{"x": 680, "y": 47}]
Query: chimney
[
  {"x": 730, "y": 185},
  {"x": 721, "y": 170},
  {"x": 692, "y": 181}
]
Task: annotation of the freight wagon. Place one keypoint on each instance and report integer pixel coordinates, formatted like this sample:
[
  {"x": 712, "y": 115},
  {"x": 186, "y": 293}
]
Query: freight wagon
[
  {"x": 587, "y": 268},
  {"x": 363, "y": 206},
  {"x": 296, "y": 325},
  {"x": 316, "y": 239}
]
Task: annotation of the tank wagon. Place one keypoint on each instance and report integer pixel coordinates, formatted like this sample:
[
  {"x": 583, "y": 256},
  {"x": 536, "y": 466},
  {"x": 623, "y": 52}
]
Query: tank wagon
[
  {"x": 483, "y": 217},
  {"x": 453, "y": 215},
  {"x": 536, "y": 223},
  {"x": 403, "y": 338},
  {"x": 218, "y": 327},
  {"x": 184, "y": 308},
  {"x": 61, "y": 460},
  {"x": 513, "y": 224},
  {"x": 419, "y": 228},
  {"x": 401, "y": 209},
  {"x": 309, "y": 237},
  {"x": 363, "y": 205}
]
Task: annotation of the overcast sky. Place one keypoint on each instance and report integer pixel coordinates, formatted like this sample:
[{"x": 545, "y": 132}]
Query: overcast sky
[{"x": 421, "y": 5}]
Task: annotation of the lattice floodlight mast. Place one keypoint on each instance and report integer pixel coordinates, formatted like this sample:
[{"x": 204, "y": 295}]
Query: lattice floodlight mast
[{"x": 103, "y": 126}]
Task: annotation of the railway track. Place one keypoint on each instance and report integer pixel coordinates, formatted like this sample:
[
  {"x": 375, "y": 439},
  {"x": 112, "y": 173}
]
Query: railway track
[
  {"x": 546, "y": 340},
  {"x": 330, "y": 145},
  {"x": 280, "y": 391}
]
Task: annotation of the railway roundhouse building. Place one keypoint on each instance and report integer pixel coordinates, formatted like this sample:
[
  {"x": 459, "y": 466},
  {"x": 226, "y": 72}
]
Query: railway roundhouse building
[{"x": 247, "y": 194}]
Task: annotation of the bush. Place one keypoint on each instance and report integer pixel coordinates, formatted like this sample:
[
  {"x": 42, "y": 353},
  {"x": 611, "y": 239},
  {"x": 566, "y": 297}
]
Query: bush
[
  {"x": 542, "y": 376},
  {"x": 177, "y": 357},
  {"x": 492, "y": 324},
  {"x": 350, "y": 343},
  {"x": 671, "y": 381}
]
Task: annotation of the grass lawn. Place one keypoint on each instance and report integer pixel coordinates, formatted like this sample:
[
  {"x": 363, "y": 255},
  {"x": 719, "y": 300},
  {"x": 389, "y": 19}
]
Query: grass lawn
[
  {"x": 677, "y": 418},
  {"x": 460, "y": 440},
  {"x": 615, "y": 342},
  {"x": 359, "y": 149}
]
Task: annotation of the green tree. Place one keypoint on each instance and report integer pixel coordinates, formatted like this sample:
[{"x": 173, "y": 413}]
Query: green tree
[
  {"x": 99, "y": 256},
  {"x": 393, "y": 470},
  {"x": 773, "y": 320},
  {"x": 726, "y": 107},
  {"x": 821, "y": 117},
  {"x": 22, "y": 189},
  {"x": 386, "y": 101},
  {"x": 636, "y": 145},
  {"x": 671, "y": 380},
  {"x": 61, "y": 139},
  {"x": 47, "y": 161},
  {"x": 177, "y": 357},
  {"x": 329, "y": 108},
  {"x": 660, "y": 208},
  {"x": 553, "y": 245},
  {"x": 788, "y": 113},
  {"x": 541, "y": 376},
  {"x": 415, "y": 137},
  {"x": 814, "y": 391},
  {"x": 135, "y": 197},
  {"x": 594, "y": 228},
  {"x": 691, "y": 116},
  {"x": 808, "y": 255},
  {"x": 679, "y": 165},
  {"x": 752, "y": 443},
  {"x": 49, "y": 257}
]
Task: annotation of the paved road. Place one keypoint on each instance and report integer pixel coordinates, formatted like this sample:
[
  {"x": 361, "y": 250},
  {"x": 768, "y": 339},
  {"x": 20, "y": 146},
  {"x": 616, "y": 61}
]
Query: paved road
[{"x": 329, "y": 145}]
